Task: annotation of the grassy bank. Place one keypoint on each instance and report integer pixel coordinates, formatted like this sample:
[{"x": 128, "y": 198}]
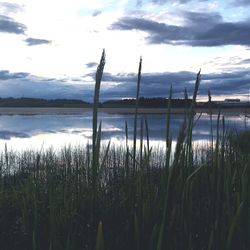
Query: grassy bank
[{"x": 131, "y": 197}]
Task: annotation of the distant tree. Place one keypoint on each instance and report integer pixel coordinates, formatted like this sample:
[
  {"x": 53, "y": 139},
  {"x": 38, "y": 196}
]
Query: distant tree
[
  {"x": 37, "y": 102},
  {"x": 147, "y": 102}
]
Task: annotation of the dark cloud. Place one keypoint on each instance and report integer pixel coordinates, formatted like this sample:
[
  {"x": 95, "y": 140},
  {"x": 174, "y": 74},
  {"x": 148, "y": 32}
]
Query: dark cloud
[
  {"x": 124, "y": 85},
  {"x": 151, "y": 78},
  {"x": 8, "y": 25},
  {"x": 48, "y": 79},
  {"x": 153, "y": 84},
  {"x": 241, "y": 2},
  {"x": 97, "y": 13},
  {"x": 10, "y": 7},
  {"x": 34, "y": 41},
  {"x": 245, "y": 61},
  {"x": 158, "y": 84},
  {"x": 139, "y": 3},
  {"x": 202, "y": 19},
  {"x": 7, "y": 135},
  {"x": 161, "y": 2},
  {"x": 25, "y": 85},
  {"x": 91, "y": 64},
  {"x": 235, "y": 83},
  {"x": 6, "y": 75},
  {"x": 170, "y": 1},
  {"x": 200, "y": 29}
]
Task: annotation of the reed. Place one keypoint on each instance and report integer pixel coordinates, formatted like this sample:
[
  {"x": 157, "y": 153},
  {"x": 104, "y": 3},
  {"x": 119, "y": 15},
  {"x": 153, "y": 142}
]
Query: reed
[{"x": 136, "y": 112}]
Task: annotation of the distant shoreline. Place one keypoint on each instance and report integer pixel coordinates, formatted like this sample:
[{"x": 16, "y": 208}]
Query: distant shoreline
[{"x": 68, "y": 111}]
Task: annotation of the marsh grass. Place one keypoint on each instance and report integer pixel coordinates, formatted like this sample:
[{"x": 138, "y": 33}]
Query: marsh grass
[{"x": 130, "y": 197}]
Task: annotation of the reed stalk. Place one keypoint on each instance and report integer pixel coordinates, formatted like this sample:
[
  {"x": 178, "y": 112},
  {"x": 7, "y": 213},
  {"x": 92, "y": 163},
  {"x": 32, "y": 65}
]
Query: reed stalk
[{"x": 136, "y": 113}]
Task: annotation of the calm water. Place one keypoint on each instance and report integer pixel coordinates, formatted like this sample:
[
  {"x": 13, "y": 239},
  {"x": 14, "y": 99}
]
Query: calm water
[{"x": 21, "y": 132}]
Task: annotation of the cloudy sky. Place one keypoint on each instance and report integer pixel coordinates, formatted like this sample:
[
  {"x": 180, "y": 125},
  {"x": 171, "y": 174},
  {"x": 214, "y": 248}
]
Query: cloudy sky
[{"x": 50, "y": 48}]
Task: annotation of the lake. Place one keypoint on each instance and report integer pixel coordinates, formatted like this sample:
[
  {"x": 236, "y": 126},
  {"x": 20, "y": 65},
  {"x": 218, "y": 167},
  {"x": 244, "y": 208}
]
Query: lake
[{"x": 20, "y": 132}]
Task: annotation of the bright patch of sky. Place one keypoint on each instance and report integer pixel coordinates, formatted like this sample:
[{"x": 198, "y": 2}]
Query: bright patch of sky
[{"x": 60, "y": 39}]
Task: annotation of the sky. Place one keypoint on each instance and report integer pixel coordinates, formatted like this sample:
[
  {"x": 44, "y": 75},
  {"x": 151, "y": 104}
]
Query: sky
[{"x": 50, "y": 48}]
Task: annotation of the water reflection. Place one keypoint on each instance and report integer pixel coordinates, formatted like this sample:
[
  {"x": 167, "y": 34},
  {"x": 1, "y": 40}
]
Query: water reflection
[{"x": 26, "y": 131}]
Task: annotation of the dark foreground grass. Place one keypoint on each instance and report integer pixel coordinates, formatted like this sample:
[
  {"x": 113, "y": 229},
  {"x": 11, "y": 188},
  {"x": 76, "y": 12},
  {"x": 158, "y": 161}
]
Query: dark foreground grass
[
  {"x": 45, "y": 201},
  {"x": 126, "y": 198}
]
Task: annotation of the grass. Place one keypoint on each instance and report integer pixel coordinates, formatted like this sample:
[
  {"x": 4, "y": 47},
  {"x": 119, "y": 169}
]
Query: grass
[{"x": 132, "y": 197}]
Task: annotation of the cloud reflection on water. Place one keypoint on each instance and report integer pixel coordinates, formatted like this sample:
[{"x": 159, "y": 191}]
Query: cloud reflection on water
[{"x": 21, "y": 131}]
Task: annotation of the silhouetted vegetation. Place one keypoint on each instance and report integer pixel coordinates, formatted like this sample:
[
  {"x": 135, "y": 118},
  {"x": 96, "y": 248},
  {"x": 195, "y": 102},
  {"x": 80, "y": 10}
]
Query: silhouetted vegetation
[
  {"x": 157, "y": 102},
  {"x": 224, "y": 105},
  {"x": 143, "y": 102},
  {"x": 35, "y": 102}
]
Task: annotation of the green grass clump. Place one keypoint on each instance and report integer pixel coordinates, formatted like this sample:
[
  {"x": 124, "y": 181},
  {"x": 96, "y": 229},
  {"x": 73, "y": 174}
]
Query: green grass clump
[{"x": 104, "y": 197}]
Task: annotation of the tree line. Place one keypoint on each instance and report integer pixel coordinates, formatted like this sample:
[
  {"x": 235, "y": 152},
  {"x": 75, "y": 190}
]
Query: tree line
[{"x": 129, "y": 102}]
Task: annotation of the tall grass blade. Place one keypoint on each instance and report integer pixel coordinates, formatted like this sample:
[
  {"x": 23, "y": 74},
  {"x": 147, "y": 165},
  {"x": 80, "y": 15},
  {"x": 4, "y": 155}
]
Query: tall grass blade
[
  {"x": 168, "y": 141},
  {"x": 99, "y": 238},
  {"x": 136, "y": 112}
]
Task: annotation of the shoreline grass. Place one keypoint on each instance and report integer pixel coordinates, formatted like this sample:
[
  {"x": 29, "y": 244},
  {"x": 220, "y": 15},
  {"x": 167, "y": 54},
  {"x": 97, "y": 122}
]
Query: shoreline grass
[{"x": 45, "y": 200}]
